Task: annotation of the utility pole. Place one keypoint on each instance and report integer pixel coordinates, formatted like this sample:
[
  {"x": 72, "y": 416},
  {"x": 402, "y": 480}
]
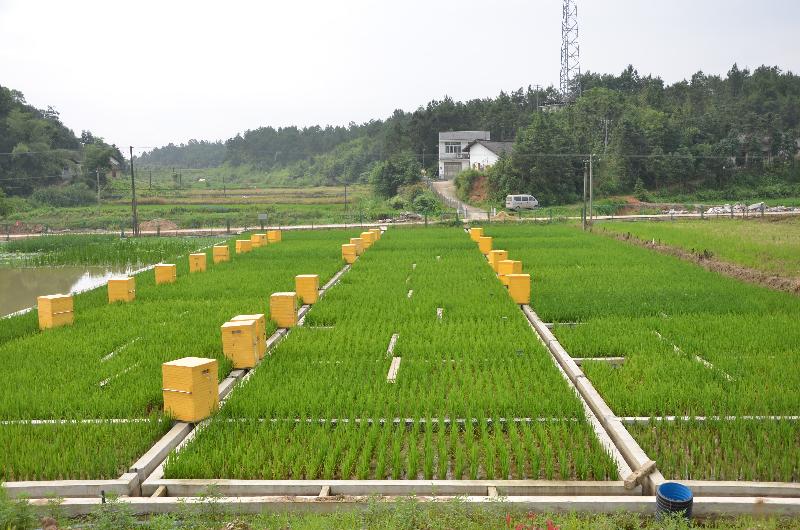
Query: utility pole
[
  {"x": 97, "y": 177},
  {"x": 224, "y": 190},
  {"x": 134, "y": 216},
  {"x": 345, "y": 202},
  {"x": 591, "y": 192},
  {"x": 583, "y": 209},
  {"x": 423, "y": 157},
  {"x": 150, "y": 180}
]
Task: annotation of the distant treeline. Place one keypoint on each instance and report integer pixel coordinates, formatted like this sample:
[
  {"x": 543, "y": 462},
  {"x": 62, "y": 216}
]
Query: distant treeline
[
  {"x": 738, "y": 132},
  {"x": 707, "y": 132}
]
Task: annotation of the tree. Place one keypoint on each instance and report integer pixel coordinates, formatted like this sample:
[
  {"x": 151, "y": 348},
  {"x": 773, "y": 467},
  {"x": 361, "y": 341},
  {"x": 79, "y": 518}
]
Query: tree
[
  {"x": 426, "y": 203},
  {"x": 5, "y": 205},
  {"x": 387, "y": 176},
  {"x": 544, "y": 162}
]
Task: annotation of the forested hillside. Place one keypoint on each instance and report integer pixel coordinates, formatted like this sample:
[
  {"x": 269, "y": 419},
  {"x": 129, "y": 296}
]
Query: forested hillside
[
  {"x": 725, "y": 137},
  {"x": 38, "y": 151},
  {"x": 737, "y": 134},
  {"x": 712, "y": 136}
]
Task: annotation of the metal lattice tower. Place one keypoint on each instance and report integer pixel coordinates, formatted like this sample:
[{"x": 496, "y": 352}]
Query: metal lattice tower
[{"x": 570, "y": 52}]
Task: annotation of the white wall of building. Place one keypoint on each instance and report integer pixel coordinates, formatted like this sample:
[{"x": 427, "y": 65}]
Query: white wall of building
[{"x": 481, "y": 158}]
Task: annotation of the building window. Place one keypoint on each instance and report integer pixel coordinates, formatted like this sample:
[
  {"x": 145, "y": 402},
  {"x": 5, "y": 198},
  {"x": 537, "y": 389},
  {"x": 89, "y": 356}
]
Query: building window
[{"x": 452, "y": 147}]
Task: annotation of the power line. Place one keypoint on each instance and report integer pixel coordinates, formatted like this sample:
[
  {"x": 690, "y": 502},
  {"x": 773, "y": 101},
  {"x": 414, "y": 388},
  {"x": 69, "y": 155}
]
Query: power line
[{"x": 49, "y": 152}]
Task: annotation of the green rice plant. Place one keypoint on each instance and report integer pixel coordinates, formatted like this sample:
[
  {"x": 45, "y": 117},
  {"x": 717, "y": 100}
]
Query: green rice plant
[
  {"x": 443, "y": 457},
  {"x": 745, "y": 449},
  {"x": 458, "y": 464},
  {"x": 428, "y": 466},
  {"x": 397, "y": 455},
  {"x": 474, "y": 462},
  {"x": 74, "y": 450},
  {"x": 412, "y": 458},
  {"x": 503, "y": 456}
]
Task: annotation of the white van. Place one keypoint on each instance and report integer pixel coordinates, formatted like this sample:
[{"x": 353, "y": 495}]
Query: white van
[{"x": 521, "y": 202}]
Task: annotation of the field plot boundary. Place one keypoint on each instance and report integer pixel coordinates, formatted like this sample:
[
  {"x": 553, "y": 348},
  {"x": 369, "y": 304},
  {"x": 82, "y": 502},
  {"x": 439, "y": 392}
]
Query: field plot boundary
[
  {"x": 130, "y": 483},
  {"x": 621, "y": 439},
  {"x": 703, "y": 506},
  {"x": 155, "y": 465},
  {"x": 776, "y": 282},
  {"x": 388, "y": 487},
  {"x": 157, "y": 485},
  {"x": 616, "y": 424}
]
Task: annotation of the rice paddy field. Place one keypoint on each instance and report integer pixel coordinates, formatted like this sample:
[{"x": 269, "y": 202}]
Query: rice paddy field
[
  {"x": 418, "y": 365},
  {"x": 771, "y": 245},
  {"x": 107, "y": 365},
  {"x": 694, "y": 344},
  {"x": 321, "y": 406},
  {"x": 55, "y": 250}
]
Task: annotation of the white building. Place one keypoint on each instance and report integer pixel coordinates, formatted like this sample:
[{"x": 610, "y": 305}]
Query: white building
[
  {"x": 483, "y": 153},
  {"x": 452, "y": 157}
]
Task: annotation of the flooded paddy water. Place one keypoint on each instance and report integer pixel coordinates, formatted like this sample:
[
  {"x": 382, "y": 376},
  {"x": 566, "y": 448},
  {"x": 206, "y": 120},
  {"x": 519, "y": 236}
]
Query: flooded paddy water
[{"x": 19, "y": 286}]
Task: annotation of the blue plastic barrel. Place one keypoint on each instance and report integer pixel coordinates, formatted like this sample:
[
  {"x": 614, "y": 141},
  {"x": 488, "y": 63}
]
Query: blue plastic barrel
[{"x": 672, "y": 497}]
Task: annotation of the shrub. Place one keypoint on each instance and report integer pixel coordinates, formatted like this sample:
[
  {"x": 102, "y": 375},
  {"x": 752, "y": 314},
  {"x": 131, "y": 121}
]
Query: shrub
[
  {"x": 464, "y": 182},
  {"x": 398, "y": 203},
  {"x": 73, "y": 195},
  {"x": 426, "y": 203},
  {"x": 640, "y": 192}
]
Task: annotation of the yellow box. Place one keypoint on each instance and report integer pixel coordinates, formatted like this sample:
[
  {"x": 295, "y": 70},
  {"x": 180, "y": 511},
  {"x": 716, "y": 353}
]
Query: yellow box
[
  {"x": 261, "y": 329},
  {"x": 121, "y": 289},
  {"x": 506, "y": 267},
  {"x": 359, "y": 243},
  {"x": 273, "y": 236},
  {"x": 166, "y": 273},
  {"x": 240, "y": 342},
  {"x": 197, "y": 262},
  {"x": 55, "y": 310},
  {"x": 349, "y": 253},
  {"x": 519, "y": 287},
  {"x": 475, "y": 233},
  {"x": 485, "y": 244},
  {"x": 496, "y": 256},
  {"x": 283, "y": 309},
  {"x": 243, "y": 246},
  {"x": 258, "y": 240},
  {"x": 367, "y": 238},
  {"x": 307, "y": 287},
  {"x": 189, "y": 388},
  {"x": 377, "y": 232},
  {"x": 221, "y": 253}
]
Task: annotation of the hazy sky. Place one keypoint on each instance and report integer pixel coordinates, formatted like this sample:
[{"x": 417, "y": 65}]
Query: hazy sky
[{"x": 146, "y": 73}]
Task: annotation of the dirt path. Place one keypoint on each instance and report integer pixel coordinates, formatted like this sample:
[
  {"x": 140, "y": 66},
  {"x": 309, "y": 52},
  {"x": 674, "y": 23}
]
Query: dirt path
[
  {"x": 745, "y": 274},
  {"x": 447, "y": 190}
]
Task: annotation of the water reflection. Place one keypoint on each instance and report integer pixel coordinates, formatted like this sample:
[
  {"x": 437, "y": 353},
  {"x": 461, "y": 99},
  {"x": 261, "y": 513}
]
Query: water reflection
[{"x": 19, "y": 286}]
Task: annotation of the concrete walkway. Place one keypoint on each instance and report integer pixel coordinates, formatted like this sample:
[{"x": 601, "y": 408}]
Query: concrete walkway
[{"x": 446, "y": 189}]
